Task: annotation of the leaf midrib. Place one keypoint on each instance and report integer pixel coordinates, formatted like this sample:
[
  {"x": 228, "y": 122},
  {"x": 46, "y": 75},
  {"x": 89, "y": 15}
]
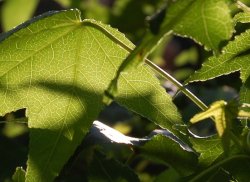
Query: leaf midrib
[{"x": 64, "y": 124}]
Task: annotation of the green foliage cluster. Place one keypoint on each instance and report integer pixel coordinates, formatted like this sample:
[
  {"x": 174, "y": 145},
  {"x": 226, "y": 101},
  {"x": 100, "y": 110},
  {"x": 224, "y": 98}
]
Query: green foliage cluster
[{"x": 64, "y": 70}]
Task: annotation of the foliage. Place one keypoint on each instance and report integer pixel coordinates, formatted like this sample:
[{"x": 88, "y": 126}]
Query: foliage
[{"x": 64, "y": 70}]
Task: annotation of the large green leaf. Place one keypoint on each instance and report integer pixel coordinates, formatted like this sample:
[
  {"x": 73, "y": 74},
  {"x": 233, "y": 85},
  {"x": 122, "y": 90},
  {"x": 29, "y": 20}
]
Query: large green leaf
[
  {"x": 14, "y": 12},
  {"x": 58, "y": 66}
]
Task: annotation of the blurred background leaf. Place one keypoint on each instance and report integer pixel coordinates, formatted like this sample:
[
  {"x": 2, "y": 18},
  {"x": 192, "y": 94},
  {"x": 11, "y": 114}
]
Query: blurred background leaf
[{"x": 15, "y": 12}]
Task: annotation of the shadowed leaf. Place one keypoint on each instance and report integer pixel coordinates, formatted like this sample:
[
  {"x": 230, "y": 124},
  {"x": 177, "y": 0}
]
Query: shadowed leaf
[{"x": 58, "y": 67}]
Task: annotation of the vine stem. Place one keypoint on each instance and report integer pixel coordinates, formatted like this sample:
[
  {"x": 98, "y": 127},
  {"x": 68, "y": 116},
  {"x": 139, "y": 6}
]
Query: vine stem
[{"x": 185, "y": 91}]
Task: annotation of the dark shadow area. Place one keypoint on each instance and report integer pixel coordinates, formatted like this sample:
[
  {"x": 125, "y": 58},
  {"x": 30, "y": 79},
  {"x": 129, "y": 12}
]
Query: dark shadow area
[
  {"x": 114, "y": 112},
  {"x": 47, "y": 5}
]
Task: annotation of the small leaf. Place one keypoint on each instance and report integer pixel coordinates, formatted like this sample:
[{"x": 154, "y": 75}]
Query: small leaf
[
  {"x": 243, "y": 114},
  {"x": 19, "y": 175},
  {"x": 242, "y": 17},
  {"x": 216, "y": 110},
  {"x": 222, "y": 114}
]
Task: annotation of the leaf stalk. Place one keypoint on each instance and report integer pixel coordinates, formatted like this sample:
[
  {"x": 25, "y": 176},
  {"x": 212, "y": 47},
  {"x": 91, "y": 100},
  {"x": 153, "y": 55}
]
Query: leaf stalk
[{"x": 170, "y": 78}]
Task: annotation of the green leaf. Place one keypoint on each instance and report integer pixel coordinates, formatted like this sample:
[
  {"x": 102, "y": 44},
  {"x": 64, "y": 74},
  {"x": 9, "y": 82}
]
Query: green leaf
[
  {"x": 245, "y": 92},
  {"x": 179, "y": 18},
  {"x": 104, "y": 169},
  {"x": 139, "y": 90},
  {"x": 242, "y": 17},
  {"x": 209, "y": 148},
  {"x": 234, "y": 57},
  {"x": 208, "y": 22},
  {"x": 58, "y": 67},
  {"x": 222, "y": 113},
  {"x": 170, "y": 152},
  {"x": 19, "y": 175},
  {"x": 244, "y": 114},
  {"x": 218, "y": 111},
  {"x": 14, "y": 12},
  {"x": 161, "y": 28}
]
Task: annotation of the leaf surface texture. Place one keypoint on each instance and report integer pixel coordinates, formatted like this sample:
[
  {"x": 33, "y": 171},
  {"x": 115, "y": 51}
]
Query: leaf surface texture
[{"x": 58, "y": 66}]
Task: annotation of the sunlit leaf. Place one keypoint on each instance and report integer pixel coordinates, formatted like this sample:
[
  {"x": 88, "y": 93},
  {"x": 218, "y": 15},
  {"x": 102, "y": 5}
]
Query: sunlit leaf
[
  {"x": 234, "y": 57},
  {"x": 218, "y": 111},
  {"x": 19, "y": 175},
  {"x": 242, "y": 17},
  {"x": 208, "y": 22},
  {"x": 58, "y": 67}
]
